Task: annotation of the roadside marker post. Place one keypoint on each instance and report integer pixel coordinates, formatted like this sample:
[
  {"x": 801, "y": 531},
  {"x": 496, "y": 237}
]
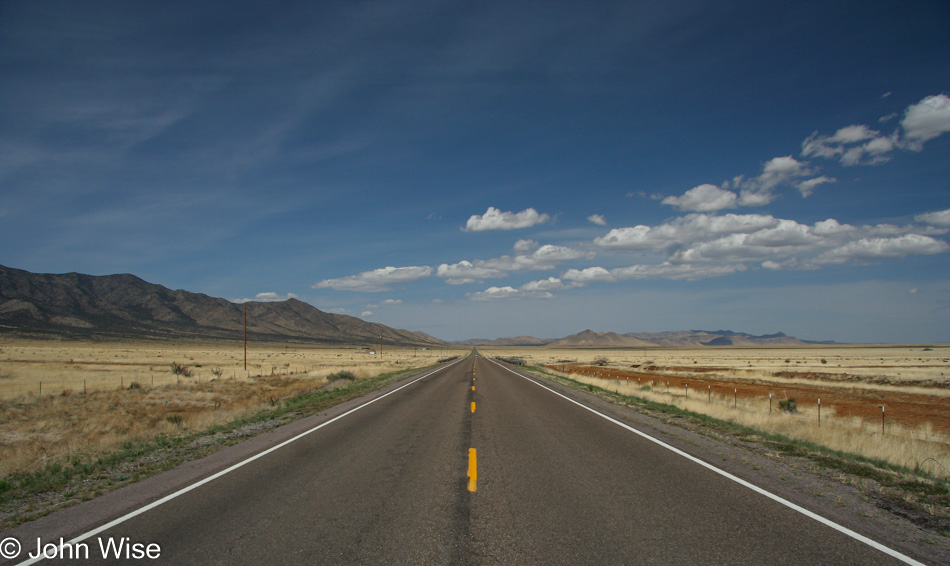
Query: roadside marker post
[
  {"x": 735, "y": 404},
  {"x": 687, "y": 391},
  {"x": 882, "y": 420},
  {"x": 770, "y": 402},
  {"x": 709, "y": 393},
  {"x": 819, "y": 411}
]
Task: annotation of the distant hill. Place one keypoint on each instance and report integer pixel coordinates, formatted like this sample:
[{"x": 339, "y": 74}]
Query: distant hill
[
  {"x": 591, "y": 339},
  {"x": 74, "y": 305}
]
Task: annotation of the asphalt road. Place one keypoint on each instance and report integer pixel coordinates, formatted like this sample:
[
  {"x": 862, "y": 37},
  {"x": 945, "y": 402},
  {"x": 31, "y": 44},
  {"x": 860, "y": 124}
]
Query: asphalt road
[{"x": 556, "y": 484}]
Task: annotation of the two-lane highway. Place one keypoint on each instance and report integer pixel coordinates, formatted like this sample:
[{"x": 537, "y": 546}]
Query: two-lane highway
[{"x": 556, "y": 484}]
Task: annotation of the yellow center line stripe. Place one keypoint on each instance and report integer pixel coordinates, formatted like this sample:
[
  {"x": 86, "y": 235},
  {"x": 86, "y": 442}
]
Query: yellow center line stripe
[
  {"x": 472, "y": 470},
  {"x": 473, "y": 406}
]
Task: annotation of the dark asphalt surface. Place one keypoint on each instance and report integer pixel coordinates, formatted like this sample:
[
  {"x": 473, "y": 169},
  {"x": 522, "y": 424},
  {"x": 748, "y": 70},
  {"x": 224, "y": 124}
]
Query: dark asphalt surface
[{"x": 556, "y": 485}]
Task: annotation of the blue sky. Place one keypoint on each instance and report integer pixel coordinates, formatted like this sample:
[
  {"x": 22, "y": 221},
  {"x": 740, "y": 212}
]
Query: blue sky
[{"x": 493, "y": 169}]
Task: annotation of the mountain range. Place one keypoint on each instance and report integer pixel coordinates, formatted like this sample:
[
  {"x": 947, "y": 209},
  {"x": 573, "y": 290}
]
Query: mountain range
[
  {"x": 74, "y": 305},
  {"x": 591, "y": 339},
  {"x": 78, "y": 306}
]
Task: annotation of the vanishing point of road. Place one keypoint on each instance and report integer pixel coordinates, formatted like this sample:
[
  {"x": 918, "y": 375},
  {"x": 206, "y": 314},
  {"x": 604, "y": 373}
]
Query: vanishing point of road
[{"x": 473, "y": 463}]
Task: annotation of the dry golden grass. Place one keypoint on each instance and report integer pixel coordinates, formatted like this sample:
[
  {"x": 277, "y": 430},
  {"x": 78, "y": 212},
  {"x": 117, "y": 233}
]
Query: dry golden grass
[
  {"x": 910, "y": 447},
  {"x": 64, "y": 424},
  {"x": 872, "y": 367}
]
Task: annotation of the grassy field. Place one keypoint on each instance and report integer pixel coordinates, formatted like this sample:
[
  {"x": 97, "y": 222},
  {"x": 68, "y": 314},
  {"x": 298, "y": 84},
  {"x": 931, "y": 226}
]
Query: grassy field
[
  {"x": 734, "y": 384},
  {"x": 70, "y": 402}
]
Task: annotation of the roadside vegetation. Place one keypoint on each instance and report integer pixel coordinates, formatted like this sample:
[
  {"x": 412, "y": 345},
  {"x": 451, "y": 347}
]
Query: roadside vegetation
[
  {"x": 918, "y": 492},
  {"x": 60, "y": 449}
]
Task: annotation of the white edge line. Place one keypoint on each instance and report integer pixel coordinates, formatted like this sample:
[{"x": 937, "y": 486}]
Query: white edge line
[
  {"x": 828, "y": 522},
  {"x": 230, "y": 469}
]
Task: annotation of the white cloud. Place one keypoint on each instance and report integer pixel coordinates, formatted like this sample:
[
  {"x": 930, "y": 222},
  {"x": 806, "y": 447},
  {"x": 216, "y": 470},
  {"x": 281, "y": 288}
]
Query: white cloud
[
  {"x": 704, "y": 245},
  {"x": 377, "y": 280},
  {"x": 926, "y": 120},
  {"x": 392, "y": 302},
  {"x": 466, "y": 272},
  {"x": 642, "y": 272},
  {"x": 508, "y": 293},
  {"x": 525, "y": 246},
  {"x": 366, "y": 313},
  {"x": 689, "y": 228},
  {"x": 878, "y": 248},
  {"x": 941, "y": 218},
  {"x": 266, "y": 297},
  {"x": 597, "y": 219},
  {"x": 704, "y": 198},
  {"x": 777, "y": 171},
  {"x": 547, "y": 256},
  {"x": 860, "y": 145},
  {"x": 807, "y": 187},
  {"x": 549, "y": 284},
  {"x": 495, "y": 219}
]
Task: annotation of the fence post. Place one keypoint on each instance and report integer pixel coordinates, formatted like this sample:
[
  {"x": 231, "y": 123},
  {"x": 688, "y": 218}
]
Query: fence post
[
  {"x": 819, "y": 411},
  {"x": 735, "y": 404},
  {"x": 687, "y": 391},
  {"x": 41, "y": 388},
  {"x": 770, "y": 402},
  {"x": 709, "y": 393},
  {"x": 882, "y": 420}
]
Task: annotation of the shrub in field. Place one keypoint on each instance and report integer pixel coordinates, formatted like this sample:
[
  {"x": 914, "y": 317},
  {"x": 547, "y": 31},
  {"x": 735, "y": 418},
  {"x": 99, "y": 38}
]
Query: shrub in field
[
  {"x": 135, "y": 385},
  {"x": 180, "y": 369},
  {"x": 342, "y": 374},
  {"x": 788, "y": 405},
  {"x": 175, "y": 419}
]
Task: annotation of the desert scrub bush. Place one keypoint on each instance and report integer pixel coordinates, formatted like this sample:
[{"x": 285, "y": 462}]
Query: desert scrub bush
[
  {"x": 788, "y": 405},
  {"x": 175, "y": 419},
  {"x": 180, "y": 369},
  {"x": 342, "y": 374},
  {"x": 133, "y": 385}
]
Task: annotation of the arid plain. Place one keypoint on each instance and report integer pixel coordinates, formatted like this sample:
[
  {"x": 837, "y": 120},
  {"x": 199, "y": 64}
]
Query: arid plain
[
  {"x": 888, "y": 402},
  {"x": 61, "y": 400}
]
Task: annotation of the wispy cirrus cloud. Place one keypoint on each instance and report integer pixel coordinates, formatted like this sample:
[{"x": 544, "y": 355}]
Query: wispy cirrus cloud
[{"x": 495, "y": 219}]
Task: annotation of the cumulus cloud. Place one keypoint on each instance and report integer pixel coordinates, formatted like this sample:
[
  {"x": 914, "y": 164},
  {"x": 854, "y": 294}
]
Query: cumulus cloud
[
  {"x": 508, "y": 293},
  {"x": 366, "y": 313},
  {"x": 926, "y": 120},
  {"x": 641, "y": 272},
  {"x": 941, "y": 218},
  {"x": 391, "y": 302},
  {"x": 597, "y": 219},
  {"x": 778, "y": 171},
  {"x": 878, "y": 248},
  {"x": 860, "y": 145},
  {"x": 266, "y": 297},
  {"x": 706, "y": 245},
  {"x": 543, "y": 257},
  {"x": 466, "y": 272},
  {"x": 683, "y": 230},
  {"x": 704, "y": 198},
  {"x": 495, "y": 219},
  {"x": 376, "y": 280}
]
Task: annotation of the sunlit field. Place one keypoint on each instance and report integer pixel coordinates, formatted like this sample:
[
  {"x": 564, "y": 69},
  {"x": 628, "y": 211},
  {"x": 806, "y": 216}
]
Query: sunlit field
[
  {"x": 62, "y": 401},
  {"x": 885, "y": 402}
]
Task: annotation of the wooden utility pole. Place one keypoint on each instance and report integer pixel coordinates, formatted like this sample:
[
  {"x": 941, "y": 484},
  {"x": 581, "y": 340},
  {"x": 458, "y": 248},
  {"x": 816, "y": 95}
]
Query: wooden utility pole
[
  {"x": 245, "y": 336},
  {"x": 380, "y": 346}
]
